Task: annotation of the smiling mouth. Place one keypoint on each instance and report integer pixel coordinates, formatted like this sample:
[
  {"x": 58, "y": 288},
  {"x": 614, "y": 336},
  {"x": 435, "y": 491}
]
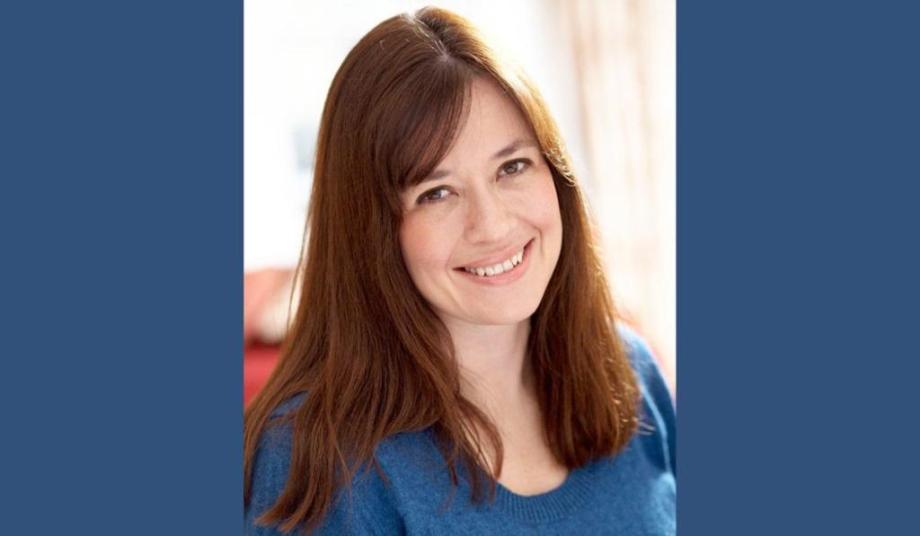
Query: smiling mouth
[{"x": 508, "y": 265}]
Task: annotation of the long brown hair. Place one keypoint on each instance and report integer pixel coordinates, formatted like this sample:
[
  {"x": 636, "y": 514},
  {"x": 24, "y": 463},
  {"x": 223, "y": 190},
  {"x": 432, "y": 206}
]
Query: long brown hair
[{"x": 364, "y": 344}]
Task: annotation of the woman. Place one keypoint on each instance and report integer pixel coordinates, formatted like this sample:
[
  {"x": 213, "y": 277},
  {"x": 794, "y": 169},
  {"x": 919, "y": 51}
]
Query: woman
[{"x": 454, "y": 366}]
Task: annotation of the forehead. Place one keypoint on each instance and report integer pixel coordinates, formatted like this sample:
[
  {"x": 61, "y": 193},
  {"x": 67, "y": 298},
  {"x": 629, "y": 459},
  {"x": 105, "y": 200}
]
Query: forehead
[{"x": 492, "y": 122}]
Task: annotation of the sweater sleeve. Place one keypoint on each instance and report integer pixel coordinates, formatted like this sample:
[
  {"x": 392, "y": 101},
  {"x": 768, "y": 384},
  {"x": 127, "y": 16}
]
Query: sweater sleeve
[
  {"x": 367, "y": 509},
  {"x": 657, "y": 402}
]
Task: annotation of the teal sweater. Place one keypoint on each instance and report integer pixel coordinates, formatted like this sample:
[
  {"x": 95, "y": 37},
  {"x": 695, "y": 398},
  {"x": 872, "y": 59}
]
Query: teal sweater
[{"x": 632, "y": 493}]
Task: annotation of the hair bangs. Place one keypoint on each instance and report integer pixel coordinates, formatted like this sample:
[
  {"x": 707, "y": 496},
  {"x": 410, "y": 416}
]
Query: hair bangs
[{"x": 427, "y": 122}]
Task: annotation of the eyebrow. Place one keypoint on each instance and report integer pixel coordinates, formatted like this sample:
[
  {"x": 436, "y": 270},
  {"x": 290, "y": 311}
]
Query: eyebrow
[{"x": 507, "y": 150}]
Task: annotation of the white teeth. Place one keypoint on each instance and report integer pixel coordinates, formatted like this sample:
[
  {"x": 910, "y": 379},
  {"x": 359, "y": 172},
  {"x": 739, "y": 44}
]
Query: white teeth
[{"x": 500, "y": 268}]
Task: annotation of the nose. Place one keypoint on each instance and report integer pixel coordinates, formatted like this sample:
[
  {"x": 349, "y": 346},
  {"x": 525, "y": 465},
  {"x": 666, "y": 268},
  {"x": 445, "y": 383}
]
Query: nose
[{"x": 488, "y": 217}]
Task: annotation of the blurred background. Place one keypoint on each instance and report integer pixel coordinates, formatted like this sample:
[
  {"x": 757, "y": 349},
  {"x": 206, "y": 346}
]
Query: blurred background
[{"x": 607, "y": 70}]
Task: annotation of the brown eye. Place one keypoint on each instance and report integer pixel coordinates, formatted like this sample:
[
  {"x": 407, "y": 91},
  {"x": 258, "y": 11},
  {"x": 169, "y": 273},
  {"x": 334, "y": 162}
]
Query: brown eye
[
  {"x": 513, "y": 167},
  {"x": 433, "y": 195}
]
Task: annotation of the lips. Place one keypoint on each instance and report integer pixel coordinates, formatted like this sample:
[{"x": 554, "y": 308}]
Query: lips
[
  {"x": 518, "y": 265},
  {"x": 506, "y": 254},
  {"x": 498, "y": 268}
]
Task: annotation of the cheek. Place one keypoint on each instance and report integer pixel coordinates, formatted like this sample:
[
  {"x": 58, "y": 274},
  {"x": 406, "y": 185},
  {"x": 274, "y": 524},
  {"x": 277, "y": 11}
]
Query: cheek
[
  {"x": 425, "y": 246},
  {"x": 545, "y": 206}
]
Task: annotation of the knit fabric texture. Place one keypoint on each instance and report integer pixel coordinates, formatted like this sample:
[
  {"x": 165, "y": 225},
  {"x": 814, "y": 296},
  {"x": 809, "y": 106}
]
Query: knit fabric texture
[{"x": 630, "y": 494}]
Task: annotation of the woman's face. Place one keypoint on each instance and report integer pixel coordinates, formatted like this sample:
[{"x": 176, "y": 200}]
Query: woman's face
[{"x": 482, "y": 234}]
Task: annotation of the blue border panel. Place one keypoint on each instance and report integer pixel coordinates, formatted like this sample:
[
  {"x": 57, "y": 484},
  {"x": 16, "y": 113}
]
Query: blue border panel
[
  {"x": 121, "y": 222},
  {"x": 798, "y": 267}
]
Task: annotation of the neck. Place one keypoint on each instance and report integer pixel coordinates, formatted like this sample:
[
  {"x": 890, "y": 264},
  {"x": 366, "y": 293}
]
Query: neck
[
  {"x": 494, "y": 364},
  {"x": 497, "y": 376}
]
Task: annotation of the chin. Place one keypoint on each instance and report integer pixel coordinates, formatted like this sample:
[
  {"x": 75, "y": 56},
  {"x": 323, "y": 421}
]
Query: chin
[{"x": 503, "y": 316}]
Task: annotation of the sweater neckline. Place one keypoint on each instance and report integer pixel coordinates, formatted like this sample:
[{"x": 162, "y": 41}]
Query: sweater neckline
[
  {"x": 557, "y": 503},
  {"x": 574, "y": 493}
]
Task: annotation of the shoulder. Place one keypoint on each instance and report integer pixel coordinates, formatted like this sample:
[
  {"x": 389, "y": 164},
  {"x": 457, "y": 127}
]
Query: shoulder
[
  {"x": 639, "y": 353},
  {"x": 657, "y": 403},
  {"x": 643, "y": 362},
  {"x": 272, "y": 460},
  {"x": 365, "y": 508}
]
